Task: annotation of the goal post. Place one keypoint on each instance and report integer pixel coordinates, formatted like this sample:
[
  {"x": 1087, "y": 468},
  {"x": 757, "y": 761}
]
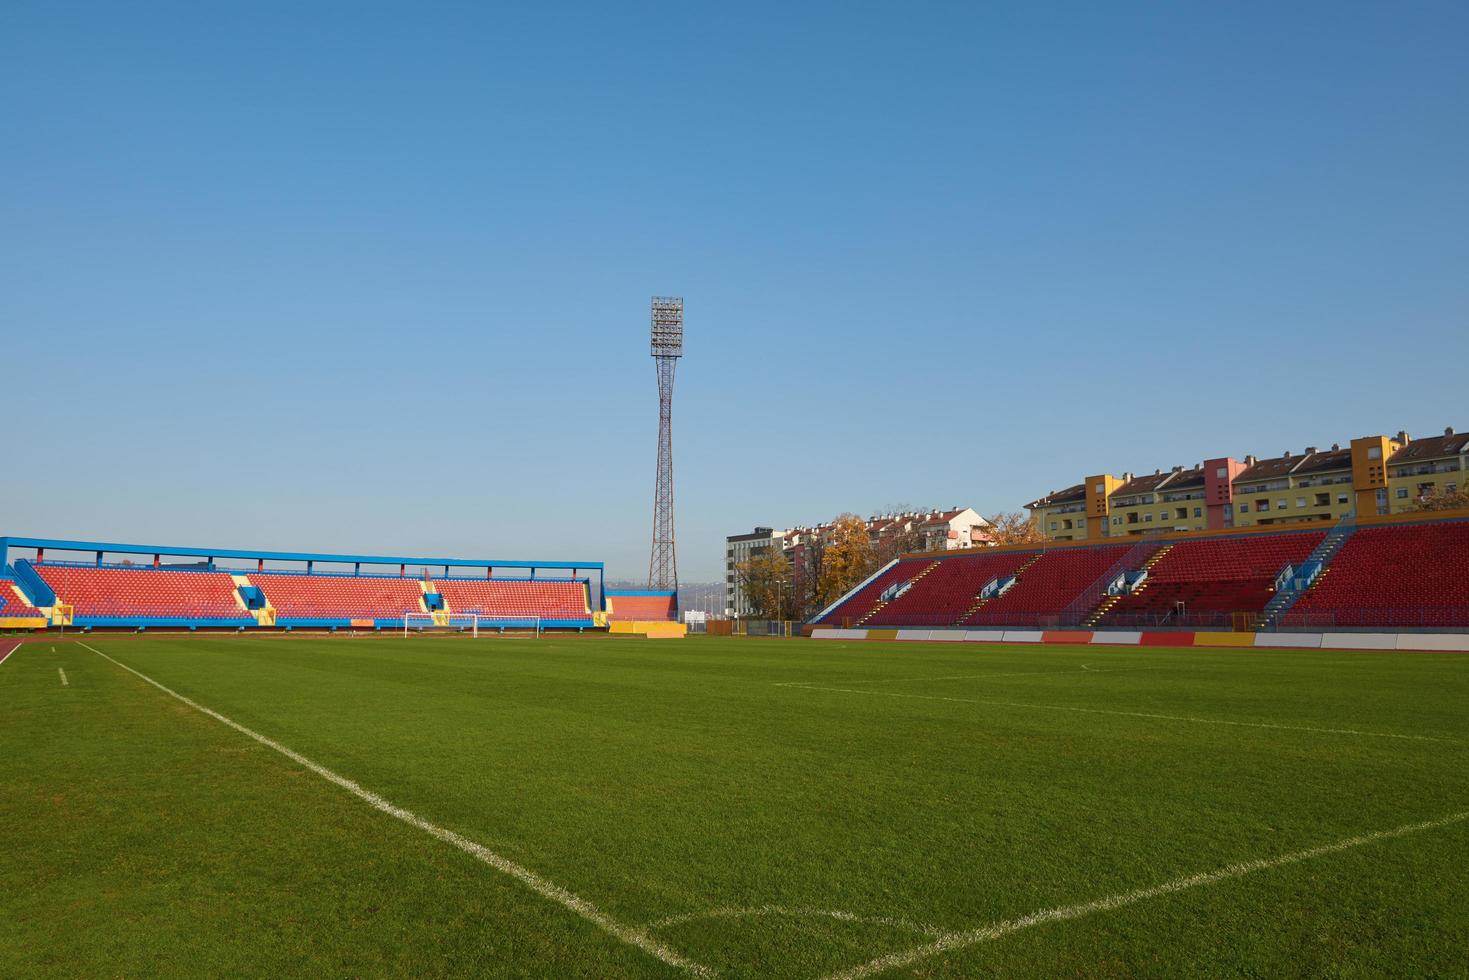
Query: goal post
[
  {"x": 440, "y": 622},
  {"x": 511, "y": 624},
  {"x": 468, "y": 622}
]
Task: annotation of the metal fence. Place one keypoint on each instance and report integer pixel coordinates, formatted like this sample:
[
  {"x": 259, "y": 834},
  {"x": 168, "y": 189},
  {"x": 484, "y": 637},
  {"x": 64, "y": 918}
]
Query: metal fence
[{"x": 1386, "y": 617}]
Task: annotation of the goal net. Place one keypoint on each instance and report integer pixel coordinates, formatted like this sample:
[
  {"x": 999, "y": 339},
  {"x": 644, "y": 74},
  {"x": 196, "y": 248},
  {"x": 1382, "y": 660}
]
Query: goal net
[
  {"x": 468, "y": 622},
  {"x": 512, "y": 624},
  {"x": 440, "y": 622}
]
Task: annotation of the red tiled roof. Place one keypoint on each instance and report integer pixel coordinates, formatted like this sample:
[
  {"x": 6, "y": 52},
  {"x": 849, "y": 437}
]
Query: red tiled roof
[
  {"x": 1433, "y": 448},
  {"x": 1077, "y": 492},
  {"x": 1337, "y": 459},
  {"x": 1268, "y": 468},
  {"x": 1141, "y": 484}
]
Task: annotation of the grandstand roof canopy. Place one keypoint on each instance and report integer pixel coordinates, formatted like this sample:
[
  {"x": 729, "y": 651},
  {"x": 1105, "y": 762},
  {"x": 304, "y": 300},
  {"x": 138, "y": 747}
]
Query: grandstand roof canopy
[{"x": 110, "y": 547}]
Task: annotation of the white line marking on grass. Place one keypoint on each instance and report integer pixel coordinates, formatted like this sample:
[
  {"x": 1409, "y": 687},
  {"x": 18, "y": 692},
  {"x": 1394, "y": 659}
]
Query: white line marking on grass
[
  {"x": 63, "y": 677},
  {"x": 541, "y": 886},
  {"x": 5, "y": 653},
  {"x": 1127, "y": 714},
  {"x": 759, "y": 911},
  {"x": 959, "y": 940}
]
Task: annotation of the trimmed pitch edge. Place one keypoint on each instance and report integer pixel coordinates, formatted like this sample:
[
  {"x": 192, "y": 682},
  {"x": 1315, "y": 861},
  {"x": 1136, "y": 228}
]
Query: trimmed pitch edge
[
  {"x": 796, "y": 686},
  {"x": 541, "y": 886},
  {"x": 952, "y": 941},
  {"x": 971, "y": 677}
]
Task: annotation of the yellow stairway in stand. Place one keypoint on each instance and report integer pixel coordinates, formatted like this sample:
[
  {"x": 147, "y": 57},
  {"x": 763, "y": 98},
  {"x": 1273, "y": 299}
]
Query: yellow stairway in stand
[
  {"x": 1108, "y": 601},
  {"x": 914, "y": 580},
  {"x": 264, "y": 616},
  {"x": 981, "y": 603}
]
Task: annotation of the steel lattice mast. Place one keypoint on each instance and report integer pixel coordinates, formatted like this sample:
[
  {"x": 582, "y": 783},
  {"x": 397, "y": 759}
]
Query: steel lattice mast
[{"x": 667, "y": 348}]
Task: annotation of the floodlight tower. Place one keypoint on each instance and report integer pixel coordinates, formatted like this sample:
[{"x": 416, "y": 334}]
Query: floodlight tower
[{"x": 667, "y": 336}]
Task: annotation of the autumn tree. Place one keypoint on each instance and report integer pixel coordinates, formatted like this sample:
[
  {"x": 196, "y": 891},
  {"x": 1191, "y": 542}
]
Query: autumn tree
[
  {"x": 808, "y": 557},
  {"x": 897, "y": 542},
  {"x": 1015, "y": 527},
  {"x": 847, "y": 559},
  {"x": 1444, "y": 499},
  {"x": 765, "y": 579}
]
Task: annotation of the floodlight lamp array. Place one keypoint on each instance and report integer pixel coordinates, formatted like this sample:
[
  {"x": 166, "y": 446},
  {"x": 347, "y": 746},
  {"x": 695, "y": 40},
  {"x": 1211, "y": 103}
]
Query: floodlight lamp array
[{"x": 667, "y": 332}]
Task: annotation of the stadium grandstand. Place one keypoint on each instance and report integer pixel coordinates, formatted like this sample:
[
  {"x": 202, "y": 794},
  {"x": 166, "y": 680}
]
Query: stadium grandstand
[
  {"x": 1403, "y": 571},
  {"x": 94, "y": 585}
]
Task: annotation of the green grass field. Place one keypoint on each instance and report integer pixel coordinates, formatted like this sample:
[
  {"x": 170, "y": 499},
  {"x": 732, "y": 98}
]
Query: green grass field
[{"x": 740, "y": 807}]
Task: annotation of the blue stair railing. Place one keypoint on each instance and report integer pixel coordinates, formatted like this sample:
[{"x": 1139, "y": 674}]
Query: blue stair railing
[
  {"x": 37, "y": 591},
  {"x": 1076, "y": 610},
  {"x": 1294, "y": 581}
]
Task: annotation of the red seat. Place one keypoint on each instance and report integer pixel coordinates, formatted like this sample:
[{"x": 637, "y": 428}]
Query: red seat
[
  {"x": 861, "y": 603},
  {"x": 492, "y": 598},
  {"x": 945, "y": 594},
  {"x": 1215, "y": 577},
  {"x": 339, "y": 596},
  {"x": 1047, "y": 587},
  {"x": 11, "y": 604},
  {"x": 1414, "y": 575},
  {"x": 132, "y": 593}
]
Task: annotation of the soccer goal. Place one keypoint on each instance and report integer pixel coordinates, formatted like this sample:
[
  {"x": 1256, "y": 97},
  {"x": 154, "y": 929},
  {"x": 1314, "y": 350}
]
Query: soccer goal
[
  {"x": 513, "y": 624},
  {"x": 440, "y": 622},
  {"x": 472, "y": 623}
]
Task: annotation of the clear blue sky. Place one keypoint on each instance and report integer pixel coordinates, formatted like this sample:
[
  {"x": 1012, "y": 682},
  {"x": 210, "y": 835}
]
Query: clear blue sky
[{"x": 366, "y": 275}]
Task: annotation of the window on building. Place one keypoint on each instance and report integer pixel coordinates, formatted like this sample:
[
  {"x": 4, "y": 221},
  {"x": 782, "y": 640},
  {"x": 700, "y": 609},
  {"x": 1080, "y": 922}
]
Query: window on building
[
  {"x": 1323, "y": 500},
  {"x": 1147, "y": 518},
  {"x": 1300, "y": 501},
  {"x": 1099, "y": 488},
  {"x": 1374, "y": 452},
  {"x": 1402, "y": 493},
  {"x": 1198, "y": 512},
  {"x": 1280, "y": 505},
  {"x": 1244, "y": 508},
  {"x": 1222, "y": 473},
  {"x": 1261, "y": 505},
  {"x": 1053, "y": 525},
  {"x": 1081, "y": 522},
  {"x": 1341, "y": 498}
]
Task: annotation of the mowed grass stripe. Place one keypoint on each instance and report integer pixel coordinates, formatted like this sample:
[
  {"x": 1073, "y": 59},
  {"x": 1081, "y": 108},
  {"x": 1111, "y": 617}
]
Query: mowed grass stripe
[
  {"x": 778, "y": 834},
  {"x": 1110, "y": 711},
  {"x": 538, "y": 884}
]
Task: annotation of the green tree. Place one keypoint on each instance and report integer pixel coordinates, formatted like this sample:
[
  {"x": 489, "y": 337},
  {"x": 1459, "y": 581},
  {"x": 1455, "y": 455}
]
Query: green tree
[
  {"x": 765, "y": 578},
  {"x": 847, "y": 559},
  {"x": 1444, "y": 499},
  {"x": 898, "y": 542},
  {"x": 1015, "y": 527}
]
